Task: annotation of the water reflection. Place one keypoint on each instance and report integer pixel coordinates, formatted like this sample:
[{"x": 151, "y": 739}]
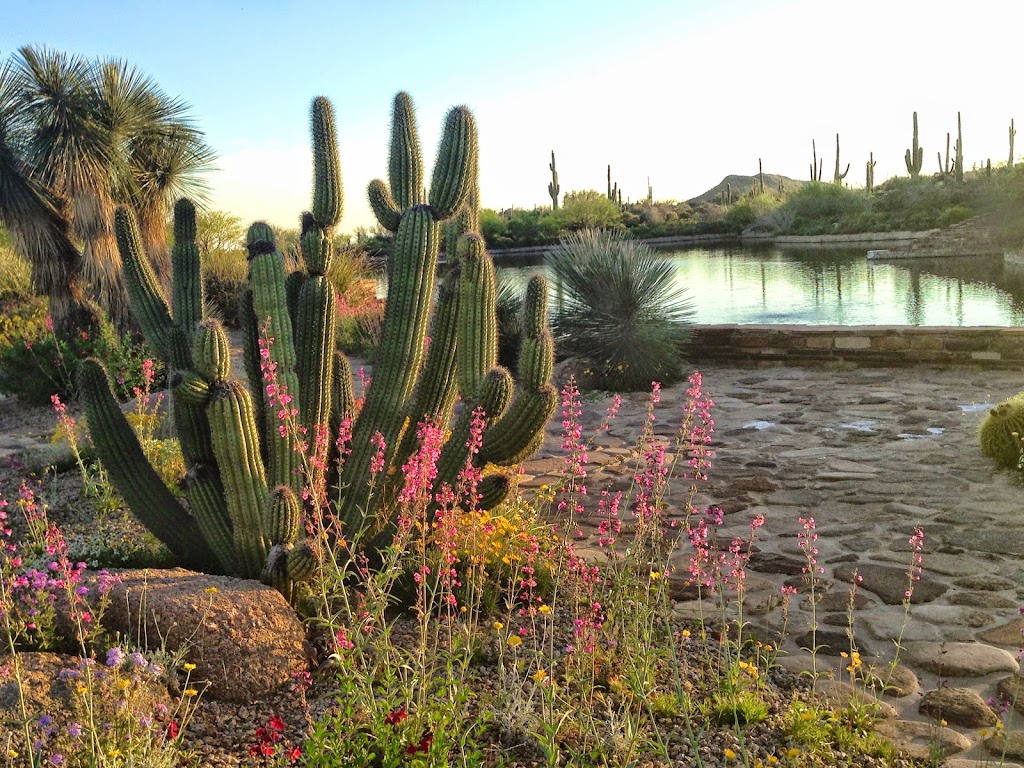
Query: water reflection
[{"x": 840, "y": 287}]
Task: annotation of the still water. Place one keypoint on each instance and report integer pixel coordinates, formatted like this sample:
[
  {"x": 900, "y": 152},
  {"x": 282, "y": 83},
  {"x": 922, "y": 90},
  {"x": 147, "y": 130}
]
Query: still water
[{"x": 841, "y": 287}]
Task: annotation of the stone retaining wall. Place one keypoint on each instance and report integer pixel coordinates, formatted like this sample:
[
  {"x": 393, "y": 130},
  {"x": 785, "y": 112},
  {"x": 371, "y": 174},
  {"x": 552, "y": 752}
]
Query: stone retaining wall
[{"x": 876, "y": 345}]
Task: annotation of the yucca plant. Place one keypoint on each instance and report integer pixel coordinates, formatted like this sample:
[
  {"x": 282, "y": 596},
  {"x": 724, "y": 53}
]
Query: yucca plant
[{"x": 619, "y": 309}]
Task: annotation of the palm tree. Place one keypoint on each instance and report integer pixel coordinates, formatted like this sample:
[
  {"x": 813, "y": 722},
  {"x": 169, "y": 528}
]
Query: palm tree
[{"x": 77, "y": 138}]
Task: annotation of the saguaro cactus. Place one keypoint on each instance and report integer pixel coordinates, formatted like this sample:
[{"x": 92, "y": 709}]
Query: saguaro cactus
[
  {"x": 1013, "y": 134},
  {"x": 837, "y": 177},
  {"x": 870, "y": 175},
  {"x": 945, "y": 169},
  {"x": 958, "y": 164},
  {"x": 915, "y": 156},
  {"x": 816, "y": 167},
  {"x": 244, "y": 446},
  {"x": 553, "y": 188}
]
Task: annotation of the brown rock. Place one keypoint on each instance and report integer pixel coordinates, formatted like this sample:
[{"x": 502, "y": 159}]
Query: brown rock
[
  {"x": 840, "y": 694},
  {"x": 958, "y": 706},
  {"x": 243, "y": 637},
  {"x": 1011, "y": 690},
  {"x": 890, "y": 681},
  {"x": 1007, "y": 634},
  {"x": 1009, "y": 745},
  {"x": 918, "y": 740},
  {"x": 960, "y": 659},
  {"x": 890, "y": 583}
]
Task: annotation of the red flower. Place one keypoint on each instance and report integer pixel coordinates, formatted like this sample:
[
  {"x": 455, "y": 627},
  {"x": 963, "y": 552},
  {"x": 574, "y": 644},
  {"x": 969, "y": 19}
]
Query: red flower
[
  {"x": 277, "y": 723},
  {"x": 294, "y": 755},
  {"x": 395, "y": 716},
  {"x": 172, "y": 730},
  {"x": 423, "y": 746}
]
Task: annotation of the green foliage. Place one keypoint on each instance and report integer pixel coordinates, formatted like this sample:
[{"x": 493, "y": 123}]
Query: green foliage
[
  {"x": 619, "y": 309},
  {"x": 15, "y": 276},
  {"x": 748, "y": 210},
  {"x": 588, "y": 209},
  {"x": 1001, "y": 433},
  {"x": 36, "y": 362},
  {"x": 816, "y": 208}
]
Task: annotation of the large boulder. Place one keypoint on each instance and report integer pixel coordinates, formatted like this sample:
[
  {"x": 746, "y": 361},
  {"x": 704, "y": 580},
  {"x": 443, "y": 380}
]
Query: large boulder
[{"x": 243, "y": 636}]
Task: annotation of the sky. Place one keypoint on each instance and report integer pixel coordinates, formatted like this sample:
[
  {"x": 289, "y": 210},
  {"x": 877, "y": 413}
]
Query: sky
[{"x": 681, "y": 92}]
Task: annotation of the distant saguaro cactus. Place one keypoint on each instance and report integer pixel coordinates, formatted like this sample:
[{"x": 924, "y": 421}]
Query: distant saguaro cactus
[
  {"x": 1013, "y": 134},
  {"x": 958, "y": 164},
  {"x": 870, "y": 181},
  {"x": 553, "y": 188},
  {"x": 945, "y": 169},
  {"x": 760, "y": 174},
  {"x": 915, "y": 156},
  {"x": 837, "y": 177},
  {"x": 816, "y": 168}
]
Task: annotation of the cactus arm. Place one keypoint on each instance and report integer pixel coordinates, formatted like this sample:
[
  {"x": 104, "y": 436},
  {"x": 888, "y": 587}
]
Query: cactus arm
[
  {"x": 187, "y": 270},
  {"x": 405, "y": 161},
  {"x": 400, "y": 354},
  {"x": 477, "y": 350},
  {"x": 383, "y": 205},
  {"x": 315, "y": 342},
  {"x": 148, "y": 498},
  {"x": 206, "y": 499},
  {"x": 328, "y": 196},
  {"x": 147, "y": 301},
  {"x": 455, "y": 167},
  {"x": 236, "y": 446},
  {"x": 251, "y": 358},
  {"x": 493, "y": 490}
]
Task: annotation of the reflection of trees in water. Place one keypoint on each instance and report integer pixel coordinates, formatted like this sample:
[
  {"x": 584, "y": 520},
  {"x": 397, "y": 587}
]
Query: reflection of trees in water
[{"x": 913, "y": 303}]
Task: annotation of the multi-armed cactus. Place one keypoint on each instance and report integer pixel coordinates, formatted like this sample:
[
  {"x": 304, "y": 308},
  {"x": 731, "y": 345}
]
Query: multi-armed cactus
[
  {"x": 247, "y": 449},
  {"x": 945, "y": 170},
  {"x": 837, "y": 177},
  {"x": 553, "y": 188},
  {"x": 816, "y": 167},
  {"x": 915, "y": 156},
  {"x": 870, "y": 173}
]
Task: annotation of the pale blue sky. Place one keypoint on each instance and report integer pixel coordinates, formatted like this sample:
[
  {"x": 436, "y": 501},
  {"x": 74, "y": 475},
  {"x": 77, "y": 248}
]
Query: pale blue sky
[{"x": 683, "y": 92}]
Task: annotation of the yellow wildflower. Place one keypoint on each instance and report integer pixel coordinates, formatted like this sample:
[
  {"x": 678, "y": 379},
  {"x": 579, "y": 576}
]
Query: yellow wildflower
[
  {"x": 729, "y": 754},
  {"x": 122, "y": 684},
  {"x": 540, "y": 676},
  {"x": 211, "y": 590},
  {"x": 686, "y": 633},
  {"x": 792, "y": 752},
  {"x": 655, "y": 575},
  {"x": 191, "y": 692},
  {"x": 498, "y": 625},
  {"x": 189, "y": 666},
  {"x": 515, "y": 641},
  {"x": 545, "y": 609}
]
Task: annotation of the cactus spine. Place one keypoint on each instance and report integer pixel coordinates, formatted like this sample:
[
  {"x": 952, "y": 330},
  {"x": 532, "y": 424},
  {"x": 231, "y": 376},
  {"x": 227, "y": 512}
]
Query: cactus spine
[
  {"x": 870, "y": 175},
  {"x": 915, "y": 156},
  {"x": 553, "y": 188},
  {"x": 837, "y": 177}
]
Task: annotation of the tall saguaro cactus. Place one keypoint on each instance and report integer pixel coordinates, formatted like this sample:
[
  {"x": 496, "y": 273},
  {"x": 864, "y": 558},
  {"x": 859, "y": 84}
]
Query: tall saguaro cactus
[
  {"x": 553, "y": 188},
  {"x": 870, "y": 173},
  {"x": 816, "y": 167},
  {"x": 245, "y": 448},
  {"x": 1013, "y": 135},
  {"x": 958, "y": 164},
  {"x": 915, "y": 155},
  {"x": 837, "y": 177}
]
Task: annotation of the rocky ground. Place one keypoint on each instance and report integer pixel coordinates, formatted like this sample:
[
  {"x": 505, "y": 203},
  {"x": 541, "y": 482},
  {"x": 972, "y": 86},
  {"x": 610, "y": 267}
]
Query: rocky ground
[{"x": 870, "y": 454}]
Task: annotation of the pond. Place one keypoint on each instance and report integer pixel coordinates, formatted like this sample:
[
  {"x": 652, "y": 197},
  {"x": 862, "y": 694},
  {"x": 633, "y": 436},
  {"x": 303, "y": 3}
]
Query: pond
[{"x": 769, "y": 285}]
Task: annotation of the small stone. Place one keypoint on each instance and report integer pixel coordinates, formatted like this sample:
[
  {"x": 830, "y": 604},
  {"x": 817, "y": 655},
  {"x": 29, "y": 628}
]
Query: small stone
[
  {"x": 889, "y": 680},
  {"x": 981, "y": 599},
  {"x": 960, "y": 659},
  {"x": 958, "y": 706},
  {"x": 1007, "y": 634},
  {"x": 1006, "y": 744},
  {"x": 890, "y": 583},
  {"x": 1011, "y": 689},
  {"x": 985, "y": 583},
  {"x": 839, "y": 694},
  {"x": 918, "y": 740}
]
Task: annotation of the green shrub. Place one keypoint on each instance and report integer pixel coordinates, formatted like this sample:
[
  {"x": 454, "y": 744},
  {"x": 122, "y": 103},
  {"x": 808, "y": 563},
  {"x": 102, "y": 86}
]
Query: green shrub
[
  {"x": 224, "y": 281},
  {"x": 744, "y": 212},
  {"x": 15, "y": 276},
  {"x": 36, "y": 363},
  {"x": 619, "y": 309},
  {"x": 587, "y": 209},
  {"x": 819, "y": 208}
]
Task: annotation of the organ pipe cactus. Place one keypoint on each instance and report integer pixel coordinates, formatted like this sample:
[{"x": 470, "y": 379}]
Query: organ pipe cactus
[{"x": 244, "y": 446}]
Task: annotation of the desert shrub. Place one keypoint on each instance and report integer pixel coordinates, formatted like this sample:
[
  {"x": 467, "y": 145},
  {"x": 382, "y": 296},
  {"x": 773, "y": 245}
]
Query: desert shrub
[
  {"x": 819, "y": 208},
  {"x": 359, "y": 325},
  {"x": 224, "y": 281},
  {"x": 620, "y": 309},
  {"x": 748, "y": 210},
  {"x": 36, "y": 363},
  {"x": 494, "y": 229},
  {"x": 15, "y": 276},
  {"x": 588, "y": 209}
]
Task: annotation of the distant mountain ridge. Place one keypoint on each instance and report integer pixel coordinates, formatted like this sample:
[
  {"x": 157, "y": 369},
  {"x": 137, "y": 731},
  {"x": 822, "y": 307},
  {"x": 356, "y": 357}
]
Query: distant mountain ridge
[{"x": 740, "y": 185}]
